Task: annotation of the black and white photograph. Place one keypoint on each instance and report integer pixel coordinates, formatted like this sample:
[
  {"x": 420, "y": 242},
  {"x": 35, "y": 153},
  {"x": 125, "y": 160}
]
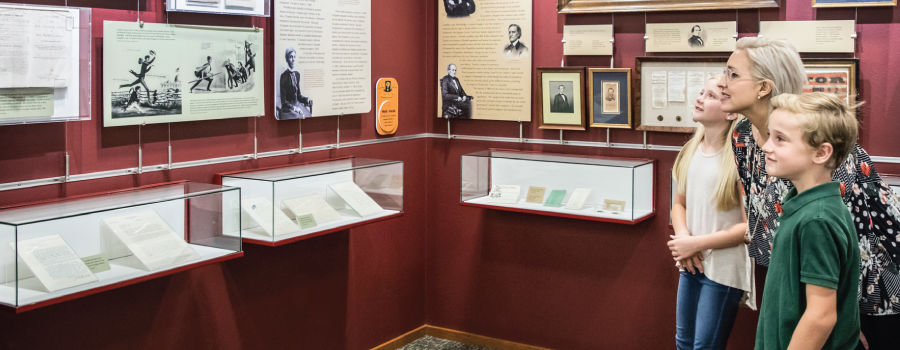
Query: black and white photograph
[
  {"x": 562, "y": 101},
  {"x": 515, "y": 48},
  {"x": 455, "y": 103},
  {"x": 459, "y": 8},
  {"x": 225, "y": 69},
  {"x": 151, "y": 88},
  {"x": 698, "y": 37},
  {"x": 289, "y": 100},
  {"x": 609, "y": 94}
]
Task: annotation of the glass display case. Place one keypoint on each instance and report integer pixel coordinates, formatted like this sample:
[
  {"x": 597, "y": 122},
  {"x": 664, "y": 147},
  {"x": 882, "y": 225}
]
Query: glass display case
[
  {"x": 620, "y": 190},
  {"x": 259, "y": 8},
  {"x": 284, "y": 204},
  {"x": 893, "y": 181},
  {"x": 63, "y": 249}
]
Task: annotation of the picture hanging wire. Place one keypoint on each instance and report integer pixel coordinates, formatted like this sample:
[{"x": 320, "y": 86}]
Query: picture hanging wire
[
  {"x": 612, "y": 56},
  {"x": 855, "y": 19},
  {"x": 645, "y": 34}
]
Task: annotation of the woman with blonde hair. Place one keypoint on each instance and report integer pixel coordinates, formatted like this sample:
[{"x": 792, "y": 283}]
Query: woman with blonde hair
[{"x": 760, "y": 69}]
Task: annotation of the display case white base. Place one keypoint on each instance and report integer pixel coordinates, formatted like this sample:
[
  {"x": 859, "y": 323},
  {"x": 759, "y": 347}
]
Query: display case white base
[
  {"x": 121, "y": 270},
  {"x": 348, "y": 219},
  {"x": 588, "y": 212}
]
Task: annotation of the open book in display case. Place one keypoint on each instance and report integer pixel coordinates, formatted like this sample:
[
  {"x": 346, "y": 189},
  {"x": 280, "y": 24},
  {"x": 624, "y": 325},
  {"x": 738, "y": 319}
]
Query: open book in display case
[
  {"x": 63, "y": 249},
  {"x": 284, "y": 204},
  {"x": 618, "y": 190}
]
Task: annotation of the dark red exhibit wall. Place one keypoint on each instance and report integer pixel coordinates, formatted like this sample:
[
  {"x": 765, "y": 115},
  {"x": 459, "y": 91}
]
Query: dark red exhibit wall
[
  {"x": 353, "y": 289},
  {"x": 574, "y": 284}
]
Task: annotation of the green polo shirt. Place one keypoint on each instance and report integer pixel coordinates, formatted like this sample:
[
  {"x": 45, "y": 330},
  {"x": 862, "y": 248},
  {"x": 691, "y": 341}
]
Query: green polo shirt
[{"x": 815, "y": 243}]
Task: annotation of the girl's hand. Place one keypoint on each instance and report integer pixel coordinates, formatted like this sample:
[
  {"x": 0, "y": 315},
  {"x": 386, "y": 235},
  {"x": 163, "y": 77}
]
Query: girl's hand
[
  {"x": 693, "y": 263},
  {"x": 683, "y": 247}
]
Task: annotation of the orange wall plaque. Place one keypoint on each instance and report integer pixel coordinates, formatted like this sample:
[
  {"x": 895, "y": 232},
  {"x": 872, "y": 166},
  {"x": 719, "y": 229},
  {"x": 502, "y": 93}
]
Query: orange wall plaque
[{"x": 387, "y": 106}]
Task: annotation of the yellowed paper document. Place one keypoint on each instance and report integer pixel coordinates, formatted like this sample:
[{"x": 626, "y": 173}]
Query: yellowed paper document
[
  {"x": 535, "y": 194},
  {"x": 53, "y": 262}
]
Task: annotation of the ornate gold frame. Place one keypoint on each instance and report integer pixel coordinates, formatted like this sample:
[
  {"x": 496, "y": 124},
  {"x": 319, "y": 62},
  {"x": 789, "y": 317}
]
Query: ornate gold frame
[
  {"x": 596, "y": 6},
  {"x": 857, "y": 4}
]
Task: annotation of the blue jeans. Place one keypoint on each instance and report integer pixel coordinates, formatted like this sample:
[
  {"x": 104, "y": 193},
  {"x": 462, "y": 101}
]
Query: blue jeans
[{"x": 704, "y": 313}]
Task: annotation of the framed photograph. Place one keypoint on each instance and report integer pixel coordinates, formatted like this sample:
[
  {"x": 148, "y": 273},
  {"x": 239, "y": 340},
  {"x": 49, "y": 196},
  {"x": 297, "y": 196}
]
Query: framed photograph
[
  {"x": 838, "y": 76},
  {"x": 609, "y": 97},
  {"x": 853, "y": 3},
  {"x": 597, "y": 6},
  {"x": 665, "y": 88},
  {"x": 560, "y": 91}
]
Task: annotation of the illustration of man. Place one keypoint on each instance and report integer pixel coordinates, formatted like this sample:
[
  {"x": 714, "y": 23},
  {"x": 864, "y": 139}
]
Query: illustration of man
[
  {"x": 459, "y": 8},
  {"x": 233, "y": 79},
  {"x": 293, "y": 104},
  {"x": 146, "y": 65},
  {"x": 387, "y": 86},
  {"x": 204, "y": 72},
  {"x": 695, "y": 41},
  {"x": 610, "y": 94},
  {"x": 242, "y": 71},
  {"x": 456, "y": 103},
  {"x": 134, "y": 98},
  {"x": 561, "y": 103},
  {"x": 251, "y": 64},
  {"x": 516, "y": 48}
]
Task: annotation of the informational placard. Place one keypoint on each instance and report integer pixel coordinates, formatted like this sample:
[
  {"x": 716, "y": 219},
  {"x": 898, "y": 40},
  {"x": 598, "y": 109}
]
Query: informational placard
[
  {"x": 152, "y": 241},
  {"x": 323, "y": 58},
  {"x": 588, "y": 40},
  {"x": 387, "y": 106},
  {"x": 691, "y": 37},
  {"x": 356, "y": 198},
  {"x": 234, "y": 7},
  {"x": 812, "y": 36},
  {"x": 162, "y": 73},
  {"x": 273, "y": 221},
  {"x": 504, "y": 194},
  {"x": 27, "y": 102},
  {"x": 484, "y": 59},
  {"x": 53, "y": 262}
]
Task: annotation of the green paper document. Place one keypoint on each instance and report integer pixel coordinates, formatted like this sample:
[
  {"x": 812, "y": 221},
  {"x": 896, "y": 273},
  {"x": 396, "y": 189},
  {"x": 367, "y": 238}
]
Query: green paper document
[
  {"x": 97, "y": 263},
  {"x": 306, "y": 221},
  {"x": 24, "y": 103},
  {"x": 555, "y": 199}
]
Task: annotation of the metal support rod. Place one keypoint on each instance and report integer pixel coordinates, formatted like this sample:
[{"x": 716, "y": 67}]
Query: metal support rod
[
  {"x": 448, "y": 129},
  {"x": 608, "y": 142},
  {"x": 169, "y": 165},
  {"x": 520, "y": 132},
  {"x": 66, "y": 179},
  {"x": 140, "y": 167},
  {"x": 645, "y": 139},
  {"x": 337, "y": 144},
  {"x": 299, "y": 135},
  {"x": 561, "y": 142}
]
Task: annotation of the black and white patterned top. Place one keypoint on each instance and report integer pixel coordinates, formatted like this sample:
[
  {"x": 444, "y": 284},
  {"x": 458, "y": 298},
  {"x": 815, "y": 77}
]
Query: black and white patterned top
[{"x": 875, "y": 209}]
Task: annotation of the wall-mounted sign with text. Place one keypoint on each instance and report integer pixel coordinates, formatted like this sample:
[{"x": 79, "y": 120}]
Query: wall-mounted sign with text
[{"x": 387, "y": 106}]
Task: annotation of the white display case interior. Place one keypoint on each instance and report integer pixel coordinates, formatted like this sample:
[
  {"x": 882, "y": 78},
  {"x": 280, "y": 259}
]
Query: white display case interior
[
  {"x": 289, "y": 203},
  {"x": 596, "y": 188},
  {"x": 61, "y": 250}
]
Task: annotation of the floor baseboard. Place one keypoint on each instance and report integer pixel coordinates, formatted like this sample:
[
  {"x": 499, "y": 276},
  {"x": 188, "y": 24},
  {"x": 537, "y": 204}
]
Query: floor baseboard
[{"x": 449, "y": 334}]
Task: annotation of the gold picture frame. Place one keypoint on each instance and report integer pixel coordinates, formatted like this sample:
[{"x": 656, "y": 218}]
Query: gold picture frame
[
  {"x": 599, "y": 6},
  {"x": 563, "y": 112},
  {"x": 839, "y": 3},
  {"x": 605, "y": 110}
]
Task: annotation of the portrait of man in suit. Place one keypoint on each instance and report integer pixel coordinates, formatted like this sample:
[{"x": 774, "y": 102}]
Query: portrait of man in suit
[
  {"x": 293, "y": 104},
  {"x": 459, "y": 8},
  {"x": 695, "y": 40},
  {"x": 455, "y": 102},
  {"x": 562, "y": 101},
  {"x": 515, "y": 48}
]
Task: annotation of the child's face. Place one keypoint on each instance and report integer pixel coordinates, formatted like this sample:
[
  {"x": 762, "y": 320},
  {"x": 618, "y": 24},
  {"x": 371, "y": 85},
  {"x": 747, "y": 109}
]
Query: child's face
[
  {"x": 708, "y": 106},
  {"x": 787, "y": 155}
]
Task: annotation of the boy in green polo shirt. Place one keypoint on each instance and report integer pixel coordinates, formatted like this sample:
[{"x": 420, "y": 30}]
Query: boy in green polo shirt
[{"x": 809, "y": 301}]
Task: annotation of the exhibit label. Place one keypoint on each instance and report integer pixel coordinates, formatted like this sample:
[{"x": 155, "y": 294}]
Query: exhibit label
[
  {"x": 323, "y": 58},
  {"x": 23, "y": 103},
  {"x": 484, "y": 59},
  {"x": 387, "y": 106},
  {"x": 162, "y": 73},
  {"x": 588, "y": 40},
  {"x": 812, "y": 36},
  {"x": 691, "y": 37}
]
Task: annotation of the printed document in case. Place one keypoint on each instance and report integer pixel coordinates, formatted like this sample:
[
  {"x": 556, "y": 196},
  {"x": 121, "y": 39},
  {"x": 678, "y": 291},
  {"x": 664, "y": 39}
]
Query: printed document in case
[
  {"x": 151, "y": 240},
  {"x": 53, "y": 262},
  {"x": 35, "y": 47},
  {"x": 504, "y": 194},
  {"x": 314, "y": 205},
  {"x": 579, "y": 196},
  {"x": 356, "y": 198},
  {"x": 272, "y": 220}
]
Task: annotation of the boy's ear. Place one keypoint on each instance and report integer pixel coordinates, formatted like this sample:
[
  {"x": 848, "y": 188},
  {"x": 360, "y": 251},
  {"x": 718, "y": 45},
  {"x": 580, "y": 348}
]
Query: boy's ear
[{"x": 823, "y": 154}]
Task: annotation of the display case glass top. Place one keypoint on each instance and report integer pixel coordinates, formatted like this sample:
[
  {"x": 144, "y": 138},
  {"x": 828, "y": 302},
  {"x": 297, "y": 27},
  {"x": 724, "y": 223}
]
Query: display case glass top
[
  {"x": 288, "y": 203},
  {"x": 619, "y": 190},
  {"x": 63, "y": 249}
]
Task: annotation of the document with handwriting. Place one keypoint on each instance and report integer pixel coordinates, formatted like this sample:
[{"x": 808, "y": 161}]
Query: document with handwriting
[
  {"x": 53, "y": 262},
  {"x": 314, "y": 205},
  {"x": 151, "y": 240}
]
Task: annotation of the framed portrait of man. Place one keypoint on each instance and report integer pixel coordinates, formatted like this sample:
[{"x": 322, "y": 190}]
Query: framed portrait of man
[
  {"x": 837, "y": 76},
  {"x": 609, "y": 97},
  {"x": 852, "y": 3},
  {"x": 561, "y": 92}
]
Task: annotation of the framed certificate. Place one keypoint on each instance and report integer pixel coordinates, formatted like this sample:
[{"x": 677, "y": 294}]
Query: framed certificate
[
  {"x": 609, "y": 97},
  {"x": 665, "y": 88}
]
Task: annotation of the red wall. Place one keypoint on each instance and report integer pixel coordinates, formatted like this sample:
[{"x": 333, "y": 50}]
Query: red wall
[
  {"x": 353, "y": 289},
  {"x": 571, "y": 284}
]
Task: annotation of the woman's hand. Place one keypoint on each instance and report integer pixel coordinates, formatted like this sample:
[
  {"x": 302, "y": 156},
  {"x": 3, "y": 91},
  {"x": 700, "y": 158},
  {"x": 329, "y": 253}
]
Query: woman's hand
[{"x": 683, "y": 247}]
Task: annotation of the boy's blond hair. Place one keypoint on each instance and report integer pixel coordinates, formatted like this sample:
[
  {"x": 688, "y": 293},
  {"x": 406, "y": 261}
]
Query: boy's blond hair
[{"x": 823, "y": 118}]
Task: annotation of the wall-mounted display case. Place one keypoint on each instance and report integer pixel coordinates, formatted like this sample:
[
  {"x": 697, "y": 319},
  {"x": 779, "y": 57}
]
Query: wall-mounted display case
[
  {"x": 259, "y": 8},
  {"x": 63, "y": 249},
  {"x": 595, "y": 188},
  {"x": 284, "y": 204}
]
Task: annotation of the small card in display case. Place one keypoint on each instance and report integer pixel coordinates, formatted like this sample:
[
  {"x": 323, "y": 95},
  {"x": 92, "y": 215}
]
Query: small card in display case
[
  {"x": 504, "y": 194},
  {"x": 555, "y": 199},
  {"x": 535, "y": 194}
]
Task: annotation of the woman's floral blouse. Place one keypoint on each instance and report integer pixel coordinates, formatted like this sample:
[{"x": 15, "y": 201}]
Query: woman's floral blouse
[{"x": 875, "y": 209}]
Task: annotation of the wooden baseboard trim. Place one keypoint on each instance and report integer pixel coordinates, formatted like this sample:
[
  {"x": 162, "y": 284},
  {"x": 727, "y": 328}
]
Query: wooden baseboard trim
[{"x": 449, "y": 334}]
